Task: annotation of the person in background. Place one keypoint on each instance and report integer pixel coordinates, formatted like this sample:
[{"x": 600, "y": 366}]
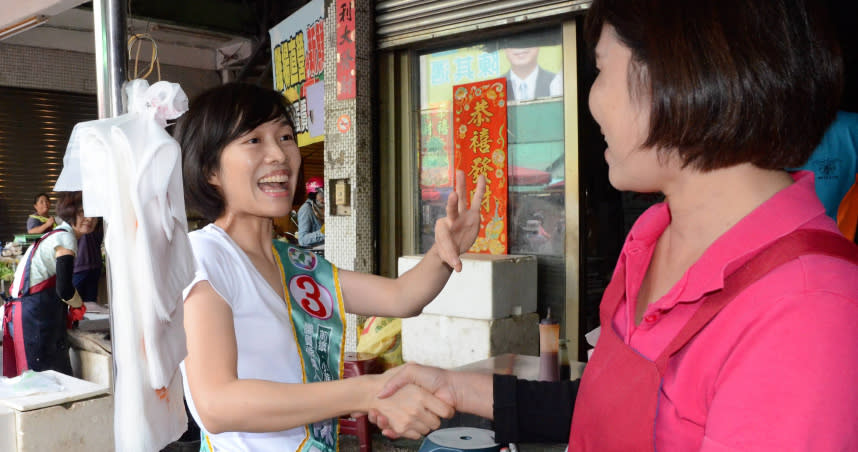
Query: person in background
[
  {"x": 34, "y": 335},
  {"x": 264, "y": 320},
  {"x": 311, "y": 215},
  {"x": 834, "y": 162},
  {"x": 40, "y": 221},
  {"x": 87, "y": 263},
  {"x": 731, "y": 319}
]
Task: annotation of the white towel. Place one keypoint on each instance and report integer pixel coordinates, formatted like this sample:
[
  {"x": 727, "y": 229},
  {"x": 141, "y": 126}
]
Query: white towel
[{"x": 129, "y": 170}]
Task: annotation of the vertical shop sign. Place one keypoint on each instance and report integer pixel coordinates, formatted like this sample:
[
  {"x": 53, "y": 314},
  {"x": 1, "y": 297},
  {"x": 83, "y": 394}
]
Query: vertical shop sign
[
  {"x": 480, "y": 127},
  {"x": 297, "y": 59},
  {"x": 346, "y": 88}
]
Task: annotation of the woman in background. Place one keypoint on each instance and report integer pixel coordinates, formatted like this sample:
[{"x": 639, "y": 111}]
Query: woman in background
[
  {"x": 34, "y": 336},
  {"x": 311, "y": 215},
  {"x": 40, "y": 221}
]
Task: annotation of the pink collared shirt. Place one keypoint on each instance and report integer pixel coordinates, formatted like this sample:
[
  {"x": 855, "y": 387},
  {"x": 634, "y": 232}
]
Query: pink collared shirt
[{"x": 777, "y": 369}]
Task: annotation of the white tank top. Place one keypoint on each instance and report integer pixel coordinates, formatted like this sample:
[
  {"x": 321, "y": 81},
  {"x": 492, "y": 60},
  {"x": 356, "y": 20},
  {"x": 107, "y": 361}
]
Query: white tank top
[{"x": 263, "y": 333}]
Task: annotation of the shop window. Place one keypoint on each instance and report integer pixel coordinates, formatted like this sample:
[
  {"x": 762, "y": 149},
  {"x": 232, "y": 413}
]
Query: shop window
[{"x": 531, "y": 63}]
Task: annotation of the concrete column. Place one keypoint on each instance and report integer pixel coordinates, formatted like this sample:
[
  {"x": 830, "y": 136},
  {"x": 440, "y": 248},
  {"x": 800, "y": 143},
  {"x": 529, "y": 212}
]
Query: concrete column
[{"x": 349, "y": 131}]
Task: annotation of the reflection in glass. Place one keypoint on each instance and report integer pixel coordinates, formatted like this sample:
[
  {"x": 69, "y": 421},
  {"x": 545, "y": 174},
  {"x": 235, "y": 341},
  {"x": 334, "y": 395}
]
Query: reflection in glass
[{"x": 532, "y": 65}]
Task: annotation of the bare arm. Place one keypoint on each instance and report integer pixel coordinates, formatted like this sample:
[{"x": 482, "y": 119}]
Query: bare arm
[
  {"x": 227, "y": 403},
  {"x": 44, "y": 227},
  {"x": 406, "y": 296}
]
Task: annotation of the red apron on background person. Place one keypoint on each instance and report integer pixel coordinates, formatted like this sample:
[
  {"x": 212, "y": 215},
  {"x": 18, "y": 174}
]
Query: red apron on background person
[
  {"x": 615, "y": 409},
  {"x": 34, "y": 333}
]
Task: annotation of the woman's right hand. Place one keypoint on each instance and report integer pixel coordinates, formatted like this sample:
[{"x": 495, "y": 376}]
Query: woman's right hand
[
  {"x": 411, "y": 411},
  {"x": 430, "y": 379}
]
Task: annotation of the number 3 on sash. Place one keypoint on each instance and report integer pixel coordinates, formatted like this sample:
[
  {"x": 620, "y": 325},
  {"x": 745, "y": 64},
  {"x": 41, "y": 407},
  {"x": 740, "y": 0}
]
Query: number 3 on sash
[{"x": 312, "y": 297}]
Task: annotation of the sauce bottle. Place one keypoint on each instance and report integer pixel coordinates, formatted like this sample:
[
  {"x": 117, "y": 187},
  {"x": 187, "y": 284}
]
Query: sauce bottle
[{"x": 549, "y": 337}]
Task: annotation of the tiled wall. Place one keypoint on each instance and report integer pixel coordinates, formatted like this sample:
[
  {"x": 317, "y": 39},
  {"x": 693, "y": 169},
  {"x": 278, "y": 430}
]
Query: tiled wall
[
  {"x": 349, "y": 239},
  {"x": 62, "y": 70}
]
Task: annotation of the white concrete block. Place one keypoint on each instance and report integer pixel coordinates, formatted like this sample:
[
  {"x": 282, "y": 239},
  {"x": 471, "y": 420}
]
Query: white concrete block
[
  {"x": 488, "y": 287},
  {"x": 82, "y": 426},
  {"x": 90, "y": 366},
  {"x": 447, "y": 342},
  {"x": 8, "y": 435},
  {"x": 77, "y": 418}
]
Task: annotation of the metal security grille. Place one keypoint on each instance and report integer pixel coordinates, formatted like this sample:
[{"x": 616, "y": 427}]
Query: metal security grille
[
  {"x": 35, "y": 126},
  {"x": 401, "y": 22}
]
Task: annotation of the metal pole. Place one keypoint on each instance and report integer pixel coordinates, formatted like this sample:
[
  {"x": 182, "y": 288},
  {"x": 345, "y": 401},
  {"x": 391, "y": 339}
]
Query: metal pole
[
  {"x": 111, "y": 67},
  {"x": 111, "y": 60}
]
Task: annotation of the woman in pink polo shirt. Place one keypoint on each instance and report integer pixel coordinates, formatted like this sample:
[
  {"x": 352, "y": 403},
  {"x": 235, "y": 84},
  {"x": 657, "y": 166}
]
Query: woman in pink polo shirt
[{"x": 731, "y": 321}]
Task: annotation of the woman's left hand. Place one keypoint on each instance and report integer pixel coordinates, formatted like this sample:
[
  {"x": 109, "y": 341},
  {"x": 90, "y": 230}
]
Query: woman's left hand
[{"x": 455, "y": 233}]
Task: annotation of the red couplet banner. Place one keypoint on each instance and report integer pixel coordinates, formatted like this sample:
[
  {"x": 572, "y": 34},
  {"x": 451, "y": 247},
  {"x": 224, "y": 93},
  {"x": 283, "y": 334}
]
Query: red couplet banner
[
  {"x": 480, "y": 127},
  {"x": 345, "y": 49}
]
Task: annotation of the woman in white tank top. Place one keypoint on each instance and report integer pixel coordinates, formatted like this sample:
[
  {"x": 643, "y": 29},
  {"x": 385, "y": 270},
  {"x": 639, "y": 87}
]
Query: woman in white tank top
[{"x": 264, "y": 323}]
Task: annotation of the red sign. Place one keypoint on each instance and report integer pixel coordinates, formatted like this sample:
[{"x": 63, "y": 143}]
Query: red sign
[
  {"x": 346, "y": 88},
  {"x": 344, "y": 123},
  {"x": 479, "y": 137}
]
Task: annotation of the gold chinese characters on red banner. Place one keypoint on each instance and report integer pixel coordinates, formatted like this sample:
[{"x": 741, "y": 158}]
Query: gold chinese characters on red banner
[{"x": 479, "y": 122}]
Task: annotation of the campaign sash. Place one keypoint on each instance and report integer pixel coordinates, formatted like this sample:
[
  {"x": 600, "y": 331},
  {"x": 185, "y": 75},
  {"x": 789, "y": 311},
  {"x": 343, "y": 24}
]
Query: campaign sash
[{"x": 314, "y": 299}]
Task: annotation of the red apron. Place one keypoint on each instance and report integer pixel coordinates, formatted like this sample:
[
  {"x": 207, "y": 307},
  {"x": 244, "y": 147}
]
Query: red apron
[{"x": 615, "y": 409}]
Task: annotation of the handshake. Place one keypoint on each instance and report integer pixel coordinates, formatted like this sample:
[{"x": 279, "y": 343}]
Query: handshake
[{"x": 413, "y": 399}]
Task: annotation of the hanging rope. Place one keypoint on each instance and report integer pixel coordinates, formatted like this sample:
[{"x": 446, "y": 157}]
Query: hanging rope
[{"x": 138, "y": 39}]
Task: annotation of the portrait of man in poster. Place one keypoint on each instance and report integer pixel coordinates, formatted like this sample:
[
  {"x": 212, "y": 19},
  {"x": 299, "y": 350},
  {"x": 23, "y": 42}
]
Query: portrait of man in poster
[{"x": 526, "y": 79}]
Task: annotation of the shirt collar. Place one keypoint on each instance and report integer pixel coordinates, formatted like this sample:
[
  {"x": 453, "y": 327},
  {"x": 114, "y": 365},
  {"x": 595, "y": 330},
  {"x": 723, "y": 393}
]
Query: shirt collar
[
  {"x": 783, "y": 213},
  {"x": 530, "y": 79}
]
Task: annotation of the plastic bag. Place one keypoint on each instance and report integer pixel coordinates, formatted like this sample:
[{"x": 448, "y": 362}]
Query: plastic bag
[
  {"x": 29, "y": 383},
  {"x": 381, "y": 336}
]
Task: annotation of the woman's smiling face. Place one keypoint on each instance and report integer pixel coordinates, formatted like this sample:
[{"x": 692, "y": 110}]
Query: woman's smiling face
[
  {"x": 257, "y": 172},
  {"x": 84, "y": 225},
  {"x": 623, "y": 117}
]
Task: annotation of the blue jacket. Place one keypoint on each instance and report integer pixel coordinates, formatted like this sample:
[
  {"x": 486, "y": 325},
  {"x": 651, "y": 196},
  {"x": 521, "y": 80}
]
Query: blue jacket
[
  {"x": 309, "y": 226},
  {"x": 834, "y": 162}
]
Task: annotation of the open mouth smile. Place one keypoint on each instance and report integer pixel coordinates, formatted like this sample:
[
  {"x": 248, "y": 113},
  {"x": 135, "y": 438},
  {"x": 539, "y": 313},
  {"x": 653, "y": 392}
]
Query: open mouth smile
[{"x": 275, "y": 183}]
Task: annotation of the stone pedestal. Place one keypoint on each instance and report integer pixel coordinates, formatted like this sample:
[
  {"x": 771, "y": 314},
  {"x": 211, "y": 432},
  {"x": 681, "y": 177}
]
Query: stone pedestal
[
  {"x": 488, "y": 287},
  {"x": 447, "y": 342}
]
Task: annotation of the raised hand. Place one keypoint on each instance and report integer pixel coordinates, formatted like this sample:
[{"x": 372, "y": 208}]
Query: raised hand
[{"x": 455, "y": 233}]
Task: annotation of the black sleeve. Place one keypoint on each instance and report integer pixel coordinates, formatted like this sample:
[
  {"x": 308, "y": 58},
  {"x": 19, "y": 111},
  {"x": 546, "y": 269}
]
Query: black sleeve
[
  {"x": 65, "y": 270},
  {"x": 533, "y": 411}
]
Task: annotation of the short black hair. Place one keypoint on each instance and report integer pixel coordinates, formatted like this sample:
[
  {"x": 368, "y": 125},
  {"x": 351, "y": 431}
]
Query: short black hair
[
  {"x": 69, "y": 204},
  {"x": 729, "y": 81},
  {"x": 36, "y": 198},
  {"x": 213, "y": 120}
]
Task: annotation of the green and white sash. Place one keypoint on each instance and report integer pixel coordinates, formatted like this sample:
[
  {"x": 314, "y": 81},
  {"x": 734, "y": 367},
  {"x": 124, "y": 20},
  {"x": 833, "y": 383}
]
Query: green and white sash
[{"x": 315, "y": 302}]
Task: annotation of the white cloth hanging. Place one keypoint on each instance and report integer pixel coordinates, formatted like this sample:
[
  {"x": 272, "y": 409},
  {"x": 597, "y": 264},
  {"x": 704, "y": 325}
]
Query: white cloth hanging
[{"x": 129, "y": 170}]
